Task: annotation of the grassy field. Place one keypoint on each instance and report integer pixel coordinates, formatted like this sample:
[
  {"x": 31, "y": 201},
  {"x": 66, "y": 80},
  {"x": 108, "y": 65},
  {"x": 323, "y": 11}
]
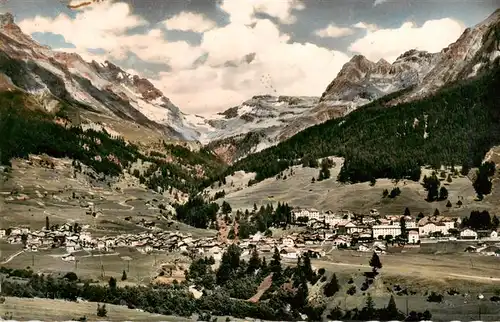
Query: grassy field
[
  {"x": 464, "y": 271},
  {"x": 141, "y": 268},
  {"x": 298, "y": 190},
  {"x": 24, "y": 309},
  {"x": 470, "y": 275}
]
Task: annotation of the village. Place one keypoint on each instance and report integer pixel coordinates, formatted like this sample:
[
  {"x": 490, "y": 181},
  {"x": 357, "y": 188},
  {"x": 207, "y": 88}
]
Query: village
[{"x": 321, "y": 232}]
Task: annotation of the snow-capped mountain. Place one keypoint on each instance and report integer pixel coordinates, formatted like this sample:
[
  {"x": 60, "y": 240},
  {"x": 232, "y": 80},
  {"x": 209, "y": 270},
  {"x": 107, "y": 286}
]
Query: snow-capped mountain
[
  {"x": 101, "y": 88},
  {"x": 260, "y": 122}
]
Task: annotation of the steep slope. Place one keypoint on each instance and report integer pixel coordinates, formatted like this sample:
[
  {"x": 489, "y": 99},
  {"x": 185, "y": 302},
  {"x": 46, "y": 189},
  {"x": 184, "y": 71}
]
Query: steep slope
[
  {"x": 104, "y": 89},
  {"x": 474, "y": 52},
  {"x": 456, "y": 125},
  {"x": 26, "y": 128}
]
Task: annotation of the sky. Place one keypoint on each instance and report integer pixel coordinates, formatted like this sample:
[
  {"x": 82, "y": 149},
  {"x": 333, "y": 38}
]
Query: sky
[{"x": 210, "y": 55}]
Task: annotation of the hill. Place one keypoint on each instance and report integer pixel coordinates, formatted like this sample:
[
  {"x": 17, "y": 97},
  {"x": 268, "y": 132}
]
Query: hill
[
  {"x": 27, "y": 128},
  {"x": 457, "y": 125}
]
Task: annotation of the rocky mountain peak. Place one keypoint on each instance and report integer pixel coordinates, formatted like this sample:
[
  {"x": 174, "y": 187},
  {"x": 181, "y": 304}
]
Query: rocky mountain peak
[
  {"x": 6, "y": 19},
  {"x": 474, "y": 52}
]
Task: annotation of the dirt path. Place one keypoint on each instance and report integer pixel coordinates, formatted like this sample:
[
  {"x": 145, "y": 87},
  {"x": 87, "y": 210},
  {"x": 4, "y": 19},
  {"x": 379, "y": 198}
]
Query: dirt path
[
  {"x": 482, "y": 278},
  {"x": 11, "y": 257}
]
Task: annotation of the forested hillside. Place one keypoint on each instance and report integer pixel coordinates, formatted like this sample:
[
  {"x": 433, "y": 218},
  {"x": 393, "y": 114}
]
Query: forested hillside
[
  {"x": 456, "y": 126},
  {"x": 25, "y": 129}
]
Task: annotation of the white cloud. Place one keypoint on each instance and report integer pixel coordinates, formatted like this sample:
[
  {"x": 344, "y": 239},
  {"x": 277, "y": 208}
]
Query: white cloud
[
  {"x": 188, "y": 21},
  {"x": 279, "y": 66},
  {"x": 364, "y": 25},
  {"x": 333, "y": 31},
  {"x": 379, "y": 2},
  {"x": 243, "y": 12},
  {"x": 432, "y": 36},
  {"x": 95, "y": 27}
]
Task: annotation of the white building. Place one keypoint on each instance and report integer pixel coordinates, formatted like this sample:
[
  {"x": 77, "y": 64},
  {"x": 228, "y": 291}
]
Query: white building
[
  {"x": 288, "y": 242},
  {"x": 411, "y": 224},
  {"x": 332, "y": 220},
  {"x": 384, "y": 230},
  {"x": 308, "y": 213},
  {"x": 431, "y": 227},
  {"x": 449, "y": 224},
  {"x": 413, "y": 237},
  {"x": 468, "y": 234},
  {"x": 352, "y": 228}
]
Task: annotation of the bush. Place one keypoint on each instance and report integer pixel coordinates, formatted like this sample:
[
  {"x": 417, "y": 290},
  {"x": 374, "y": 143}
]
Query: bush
[
  {"x": 434, "y": 297},
  {"x": 71, "y": 276},
  {"x": 351, "y": 290}
]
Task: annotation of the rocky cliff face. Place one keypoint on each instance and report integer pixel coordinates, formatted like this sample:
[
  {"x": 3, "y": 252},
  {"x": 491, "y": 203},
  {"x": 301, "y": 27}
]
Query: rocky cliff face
[
  {"x": 102, "y": 88},
  {"x": 361, "y": 81},
  {"x": 474, "y": 52}
]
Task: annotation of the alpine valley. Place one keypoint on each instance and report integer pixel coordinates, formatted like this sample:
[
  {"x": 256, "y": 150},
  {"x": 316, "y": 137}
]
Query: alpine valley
[{"x": 99, "y": 170}]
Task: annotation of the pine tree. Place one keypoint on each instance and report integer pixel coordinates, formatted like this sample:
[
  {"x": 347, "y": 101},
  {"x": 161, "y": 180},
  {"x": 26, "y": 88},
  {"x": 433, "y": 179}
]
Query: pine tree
[
  {"x": 332, "y": 287},
  {"x": 307, "y": 269},
  {"x": 112, "y": 282},
  {"x": 226, "y": 208},
  {"x": 275, "y": 267},
  {"x": 254, "y": 262},
  {"x": 369, "y": 308},
  {"x": 264, "y": 264},
  {"x": 375, "y": 262},
  {"x": 392, "y": 310},
  {"x": 47, "y": 224},
  {"x": 495, "y": 222},
  {"x": 101, "y": 310},
  {"x": 402, "y": 223},
  {"x": 443, "y": 193},
  {"x": 124, "y": 275}
]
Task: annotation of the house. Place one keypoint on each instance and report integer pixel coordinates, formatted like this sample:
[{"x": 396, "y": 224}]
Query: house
[
  {"x": 289, "y": 253},
  {"x": 342, "y": 240},
  {"x": 386, "y": 230},
  {"x": 431, "y": 227},
  {"x": 145, "y": 249},
  {"x": 3, "y": 233},
  {"x": 352, "y": 228},
  {"x": 449, "y": 223},
  {"x": 468, "y": 234},
  {"x": 413, "y": 237},
  {"x": 308, "y": 213},
  {"x": 363, "y": 248},
  {"x": 410, "y": 224},
  {"x": 287, "y": 242}
]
